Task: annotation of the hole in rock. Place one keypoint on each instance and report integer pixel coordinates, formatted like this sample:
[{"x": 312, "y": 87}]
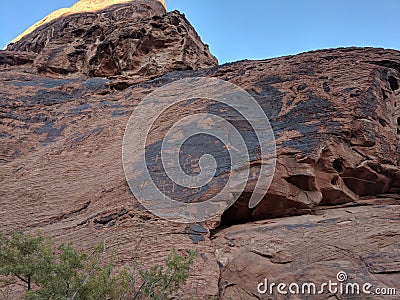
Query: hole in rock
[
  {"x": 303, "y": 182},
  {"x": 239, "y": 212},
  {"x": 383, "y": 122},
  {"x": 272, "y": 206},
  {"x": 335, "y": 180},
  {"x": 394, "y": 85},
  {"x": 398, "y": 125},
  {"x": 338, "y": 165},
  {"x": 385, "y": 97}
]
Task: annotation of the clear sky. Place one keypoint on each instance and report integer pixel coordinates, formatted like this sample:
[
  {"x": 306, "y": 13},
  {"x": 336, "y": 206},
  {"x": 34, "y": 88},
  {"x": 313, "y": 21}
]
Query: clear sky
[{"x": 255, "y": 29}]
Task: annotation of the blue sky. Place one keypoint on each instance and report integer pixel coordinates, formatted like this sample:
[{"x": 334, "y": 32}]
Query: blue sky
[{"x": 255, "y": 29}]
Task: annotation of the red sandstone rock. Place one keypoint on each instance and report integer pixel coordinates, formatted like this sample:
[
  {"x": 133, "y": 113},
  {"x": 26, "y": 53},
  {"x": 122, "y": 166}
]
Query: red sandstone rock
[
  {"x": 361, "y": 241},
  {"x": 136, "y": 38},
  {"x": 335, "y": 115},
  {"x": 15, "y": 58}
]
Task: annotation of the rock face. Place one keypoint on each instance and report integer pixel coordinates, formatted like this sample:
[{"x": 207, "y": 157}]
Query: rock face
[
  {"x": 67, "y": 91},
  {"x": 360, "y": 241},
  {"x": 335, "y": 115},
  {"x": 79, "y": 7},
  {"x": 136, "y": 38}
]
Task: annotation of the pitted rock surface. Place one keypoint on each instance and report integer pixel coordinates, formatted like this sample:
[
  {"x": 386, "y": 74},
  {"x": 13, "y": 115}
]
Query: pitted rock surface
[
  {"x": 65, "y": 100},
  {"x": 137, "y": 38},
  {"x": 79, "y": 7},
  {"x": 334, "y": 114}
]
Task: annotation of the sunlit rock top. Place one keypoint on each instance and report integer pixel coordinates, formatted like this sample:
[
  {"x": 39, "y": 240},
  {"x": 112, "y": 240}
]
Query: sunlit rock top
[{"x": 80, "y": 6}]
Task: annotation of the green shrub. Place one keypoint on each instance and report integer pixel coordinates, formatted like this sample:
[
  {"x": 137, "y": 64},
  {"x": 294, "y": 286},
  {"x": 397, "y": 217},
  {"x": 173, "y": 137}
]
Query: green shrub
[{"x": 63, "y": 272}]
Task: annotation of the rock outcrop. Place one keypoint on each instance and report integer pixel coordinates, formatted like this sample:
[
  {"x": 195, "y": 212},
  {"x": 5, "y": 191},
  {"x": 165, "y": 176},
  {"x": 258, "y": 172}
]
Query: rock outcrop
[
  {"x": 67, "y": 91},
  {"x": 79, "y": 7},
  {"x": 361, "y": 241},
  {"x": 335, "y": 115},
  {"x": 135, "y": 38}
]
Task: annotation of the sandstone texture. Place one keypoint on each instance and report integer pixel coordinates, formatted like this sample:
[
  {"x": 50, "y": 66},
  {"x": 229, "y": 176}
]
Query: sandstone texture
[
  {"x": 335, "y": 118},
  {"x": 79, "y": 7},
  {"x": 133, "y": 39},
  {"x": 67, "y": 91},
  {"x": 362, "y": 241}
]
